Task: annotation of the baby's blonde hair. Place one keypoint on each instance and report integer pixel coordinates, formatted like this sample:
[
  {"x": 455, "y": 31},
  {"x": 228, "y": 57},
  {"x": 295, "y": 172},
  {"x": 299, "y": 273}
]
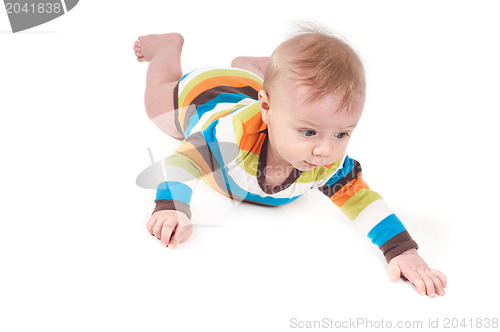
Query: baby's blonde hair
[{"x": 318, "y": 59}]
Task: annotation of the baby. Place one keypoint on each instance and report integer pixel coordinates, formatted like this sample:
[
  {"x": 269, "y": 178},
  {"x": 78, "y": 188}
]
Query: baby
[{"x": 269, "y": 141}]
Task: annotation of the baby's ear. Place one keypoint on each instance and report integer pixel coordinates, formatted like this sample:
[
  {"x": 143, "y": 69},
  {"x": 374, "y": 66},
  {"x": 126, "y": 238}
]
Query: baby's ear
[{"x": 264, "y": 106}]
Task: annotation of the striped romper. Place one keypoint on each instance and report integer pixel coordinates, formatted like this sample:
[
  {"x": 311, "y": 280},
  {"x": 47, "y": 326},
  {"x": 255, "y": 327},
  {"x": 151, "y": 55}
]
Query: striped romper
[{"x": 225, "y": 144}]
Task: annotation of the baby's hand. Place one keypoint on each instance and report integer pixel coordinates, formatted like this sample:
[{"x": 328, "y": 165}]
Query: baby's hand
[
  {"x": 412, "y": 267},
  {"x": 170, "y": 227}
]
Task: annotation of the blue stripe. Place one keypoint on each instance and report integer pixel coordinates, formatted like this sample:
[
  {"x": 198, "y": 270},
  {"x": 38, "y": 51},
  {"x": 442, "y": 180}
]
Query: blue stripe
[
  {"x": 233, "y": 98},
  {"x": 342, "y": 172},
  {"x": 228, "y": 180},
  {"x": 183, "y": 77},
  {"x": 174, "y": 190},
  {"x": 192, "y": 122},
  {"x": 242, "y": 193},
  {"x": 386, "y": 229},
  {"x": 235, "y": 189},
  {"x": 209, "y": 134}
]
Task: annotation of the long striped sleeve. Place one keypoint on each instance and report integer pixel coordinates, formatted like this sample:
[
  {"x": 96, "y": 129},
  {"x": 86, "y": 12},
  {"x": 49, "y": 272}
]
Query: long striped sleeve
[
  {"x": 368, "y": 210},
  {"x": 183, "y": 169}
]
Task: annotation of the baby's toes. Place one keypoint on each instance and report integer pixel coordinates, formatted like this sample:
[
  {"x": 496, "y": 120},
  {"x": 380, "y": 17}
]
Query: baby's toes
[{"x": 138, "y": 49}]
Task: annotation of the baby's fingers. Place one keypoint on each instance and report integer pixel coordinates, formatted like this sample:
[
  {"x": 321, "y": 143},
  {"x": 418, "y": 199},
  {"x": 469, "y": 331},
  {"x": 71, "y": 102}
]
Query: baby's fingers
[
  {"x": 438, "y": 286},
  {"x": 441, "y": 277},
  {"x": 428, "y": 281},
  {"x": 150, "y": 224},
  {"x": 416, "y": 279},
  {"x": 167, "y": 229},
  {"x": 394, "y": 271},
  {"x": 439, "y": 281},
  {"x": 181, "y": 234}
]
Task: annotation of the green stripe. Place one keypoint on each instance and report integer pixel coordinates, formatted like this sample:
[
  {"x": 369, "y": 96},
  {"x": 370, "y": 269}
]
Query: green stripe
[
  {"x": 243, "y": 116},
  {"x": 249, "y": 162},
  {"x": 214, "y": 73},
  {"x": 358, "y": 202},
  {"x": 317, "y": 173},
  {"x": 179, "y": 160},
  {"x": 216, "y": 114}
]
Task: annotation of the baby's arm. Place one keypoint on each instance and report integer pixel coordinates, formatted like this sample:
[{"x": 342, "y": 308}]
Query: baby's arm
[
  {"x": 368, "y": 210},
  {"x": 170, "y": 221},
  {"x": 372, "y": 216},
  {"x": 410, "y": 265}
]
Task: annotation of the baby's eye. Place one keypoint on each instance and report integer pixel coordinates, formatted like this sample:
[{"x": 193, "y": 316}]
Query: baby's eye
[
  {"x": 340, "y": 135},
  {"x": 308, "y": 132}
]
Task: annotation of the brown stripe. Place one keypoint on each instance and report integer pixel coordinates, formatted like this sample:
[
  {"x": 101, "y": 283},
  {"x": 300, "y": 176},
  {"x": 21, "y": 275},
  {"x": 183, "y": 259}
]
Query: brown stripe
[
  {"x": 208, "y": 95},
  {"x": 259, "y": 203},
  {"x": 176, "y": 110},
  {"x": 211, "y": 94},
  {"x": 397, "y": 245},
  {"x": 353, "y": 174},
  {"x": 261, "y": 173},
  {"x": 169, "y": 204},
  {"x": 190, "y": 111},
  {"x": 176, "y": 96},
  {"x": 200, "y": 143}
]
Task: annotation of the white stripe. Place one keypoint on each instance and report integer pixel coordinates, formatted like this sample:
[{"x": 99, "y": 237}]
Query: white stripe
[
  {"x": 372, "y": 215},
  {"x": 225, "y": 135},
  {"x": 323, "y": 181},
  {"x": 220, "y": 108},
  {"x": 250, "y": 184},
  {"x": 205, "y": 117},
  {"x": 244, "y": 180},
  {"x": 199, "y": 71},
  {"x": 192, "y": 75}
]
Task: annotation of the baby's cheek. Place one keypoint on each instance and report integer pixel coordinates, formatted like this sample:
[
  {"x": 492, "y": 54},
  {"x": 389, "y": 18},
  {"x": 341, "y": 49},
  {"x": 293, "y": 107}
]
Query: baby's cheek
[
  {"x": 341, "y": 150},
  {"x": 338, "y": 154}
]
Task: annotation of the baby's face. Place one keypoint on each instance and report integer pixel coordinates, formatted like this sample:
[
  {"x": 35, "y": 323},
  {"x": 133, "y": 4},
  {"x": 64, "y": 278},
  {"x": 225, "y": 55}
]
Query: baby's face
[{"x": 307, "y": 135}]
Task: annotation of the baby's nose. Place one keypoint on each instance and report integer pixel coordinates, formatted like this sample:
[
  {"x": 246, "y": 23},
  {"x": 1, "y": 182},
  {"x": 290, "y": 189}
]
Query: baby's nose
[{"x": 322, "y": 150}]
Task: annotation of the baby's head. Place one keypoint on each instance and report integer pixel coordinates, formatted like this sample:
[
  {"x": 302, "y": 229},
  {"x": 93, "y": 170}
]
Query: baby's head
[{"x": 312, "y": 98}]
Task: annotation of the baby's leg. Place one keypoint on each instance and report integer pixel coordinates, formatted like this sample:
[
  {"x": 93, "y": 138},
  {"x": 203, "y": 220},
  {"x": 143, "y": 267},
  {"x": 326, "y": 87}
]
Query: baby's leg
[
  {"x": 163, "y": 52},
  {"x": 256, "y": 65}
]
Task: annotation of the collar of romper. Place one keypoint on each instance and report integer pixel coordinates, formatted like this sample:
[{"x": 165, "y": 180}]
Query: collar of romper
[{"x": 261, "y": 171}]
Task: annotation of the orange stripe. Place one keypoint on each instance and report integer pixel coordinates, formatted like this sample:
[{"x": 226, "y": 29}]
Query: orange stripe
[
  {"x": 213, "y": 82},
  {"x": 347, "y": 191},
  {"x": 190, "y": 151},
  {"x": 209, "y": 178},
  {"x": 253, "y": 126}
]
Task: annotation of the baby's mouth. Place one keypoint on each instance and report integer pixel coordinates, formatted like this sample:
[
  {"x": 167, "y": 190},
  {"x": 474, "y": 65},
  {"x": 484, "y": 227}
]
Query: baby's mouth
[{"x": 309, "y": 164}]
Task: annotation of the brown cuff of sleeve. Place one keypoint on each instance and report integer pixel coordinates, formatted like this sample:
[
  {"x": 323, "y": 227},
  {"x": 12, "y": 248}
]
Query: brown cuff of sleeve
[
  {"x": 169, "y": 204},
  {"x": 397, "y": 245}
]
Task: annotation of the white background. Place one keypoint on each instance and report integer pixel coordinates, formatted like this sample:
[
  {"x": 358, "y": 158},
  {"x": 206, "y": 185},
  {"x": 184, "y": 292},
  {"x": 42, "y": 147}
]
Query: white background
[{"x": 74, "y": 251}]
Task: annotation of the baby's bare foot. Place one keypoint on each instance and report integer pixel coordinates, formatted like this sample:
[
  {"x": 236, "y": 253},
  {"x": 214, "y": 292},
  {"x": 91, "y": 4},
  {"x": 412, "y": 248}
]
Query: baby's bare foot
[{"x": 147, "y": 46}]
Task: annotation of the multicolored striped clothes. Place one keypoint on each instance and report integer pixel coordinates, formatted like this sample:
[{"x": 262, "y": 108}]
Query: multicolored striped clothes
[{"x": 225, "y": 144}]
